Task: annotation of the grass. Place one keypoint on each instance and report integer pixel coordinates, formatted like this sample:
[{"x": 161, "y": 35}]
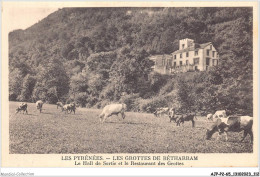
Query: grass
[{"x": 53, "y": 132}]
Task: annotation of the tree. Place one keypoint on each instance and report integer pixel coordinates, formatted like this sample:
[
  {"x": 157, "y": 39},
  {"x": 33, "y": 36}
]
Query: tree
[
  {"x": 27, "y": 88},
  {"x": 15, "y": 84},
  {"x": 52, "y": 82}
]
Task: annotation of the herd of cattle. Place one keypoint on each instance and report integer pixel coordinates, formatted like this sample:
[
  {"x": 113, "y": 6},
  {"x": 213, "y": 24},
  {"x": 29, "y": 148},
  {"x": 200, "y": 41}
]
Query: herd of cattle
[
  {"x": 67, "y": 108},
  {"x": 221, "y": 122}
]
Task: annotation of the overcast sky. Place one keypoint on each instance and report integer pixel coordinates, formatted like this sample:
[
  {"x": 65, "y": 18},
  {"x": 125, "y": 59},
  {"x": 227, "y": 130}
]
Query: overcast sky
[{"x": 24, "y": 17}]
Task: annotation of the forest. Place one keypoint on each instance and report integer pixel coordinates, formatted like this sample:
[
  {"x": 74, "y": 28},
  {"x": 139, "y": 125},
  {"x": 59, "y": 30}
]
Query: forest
[{"x": 95, "y": 56}]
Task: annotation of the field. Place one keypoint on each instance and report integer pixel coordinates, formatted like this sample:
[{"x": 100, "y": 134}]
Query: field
[{"x": 53, "y": 132}]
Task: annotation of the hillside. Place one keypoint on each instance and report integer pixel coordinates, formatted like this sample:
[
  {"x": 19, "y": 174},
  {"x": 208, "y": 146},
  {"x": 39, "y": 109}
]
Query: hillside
[{"x": 99, "y": 55}]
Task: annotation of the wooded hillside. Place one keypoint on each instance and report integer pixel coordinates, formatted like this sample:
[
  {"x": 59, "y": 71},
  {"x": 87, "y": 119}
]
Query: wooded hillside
[{"x": 98, "y": 55}]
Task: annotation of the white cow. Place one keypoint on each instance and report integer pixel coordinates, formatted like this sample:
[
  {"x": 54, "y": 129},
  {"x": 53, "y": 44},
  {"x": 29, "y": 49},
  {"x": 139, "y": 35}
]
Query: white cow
[
  {"x": 232, "y": 124},
  {"x": 112, "y": 109},
  {"x": 39, "y": 105},
  {"x": 160, "y": 111},
  {"x": 59, "y": 104},
  {"x": 171, "y": 114},
  {"x": 220, "y": 114}
]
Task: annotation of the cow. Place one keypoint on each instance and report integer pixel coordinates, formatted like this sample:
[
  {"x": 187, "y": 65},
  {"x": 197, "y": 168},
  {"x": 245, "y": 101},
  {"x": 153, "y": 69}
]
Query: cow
[
  {"x": 66, "y": 108},
  {"x": 72, "y": 107},
  {"x": 39, "y": 105},
  {"x": 156, "y": 112},
  {"x": 112, "y": 109},
  {"x": 69, "y": 107},
  {"x": 210, "y": 117},
  {"x": 172, "y": 115},
  {"x": 177, "y": 119},
  {"x": 22, "y": 107},
  {"x": 232, "y": 124},
  {"x": 160, "y": 111},
  {"x": 186, "y": 117},
  {"x": 220, "y": 114},
  {"x": 59, "y": 104}
]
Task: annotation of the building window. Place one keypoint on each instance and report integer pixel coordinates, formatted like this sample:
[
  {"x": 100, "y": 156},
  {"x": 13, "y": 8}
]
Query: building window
[
  {"x": 180, "y": 63},
  {"x": 174, "y": 56},
  {"x": 213, "y": 53},
  {"x": 174, "y": 64},
  {"x": 170, "y": 62},
  {"x": 196, "y": 61},
  {"x": 187, "y": 62},
  {"x": 183, "y": 46},
  {"x": 210, "y": 47},
  {"x": 215, "y": 62},
  {"x": 207, "y": 61},
  {"x": 181, "y": 55},
  {"x": 196, "y": 53},
  {"x": 163, "y": 62},
  {"x": 187, "y": 54},
  {"x": 207, "y": 52}
]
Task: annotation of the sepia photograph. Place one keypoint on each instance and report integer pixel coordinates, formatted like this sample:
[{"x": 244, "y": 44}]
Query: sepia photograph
[{"x": 131, "y": 80}]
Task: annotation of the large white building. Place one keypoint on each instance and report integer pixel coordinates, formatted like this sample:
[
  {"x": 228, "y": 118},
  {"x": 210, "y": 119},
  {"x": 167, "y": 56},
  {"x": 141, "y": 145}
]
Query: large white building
[{"x": 190, "y": 57}]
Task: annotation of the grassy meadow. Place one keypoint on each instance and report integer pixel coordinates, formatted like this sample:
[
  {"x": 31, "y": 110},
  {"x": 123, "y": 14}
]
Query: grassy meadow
[{"x": 53, "y": 132}]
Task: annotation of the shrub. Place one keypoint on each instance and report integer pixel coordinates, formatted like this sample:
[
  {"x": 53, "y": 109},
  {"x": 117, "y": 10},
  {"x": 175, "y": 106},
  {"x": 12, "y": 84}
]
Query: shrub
[
  {"x": 131, "y": 102},
  {"x": 150, "y": 105}
]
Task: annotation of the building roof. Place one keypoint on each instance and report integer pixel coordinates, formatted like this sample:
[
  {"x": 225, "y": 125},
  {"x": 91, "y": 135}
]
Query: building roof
[
  {"x": 154, "y": 57},
  {"x": 193, "y": 48}
]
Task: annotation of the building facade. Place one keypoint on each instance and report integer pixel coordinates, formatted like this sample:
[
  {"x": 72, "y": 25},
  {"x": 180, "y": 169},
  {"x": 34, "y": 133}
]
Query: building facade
[{"x": 190, "y": 57}]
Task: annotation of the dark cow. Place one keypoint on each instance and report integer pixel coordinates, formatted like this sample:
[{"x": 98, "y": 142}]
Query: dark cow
[
  {"x": 186, "y": 117},
  {"x": 22, "y": 107},
  {"x": 72, "y": 107},
  {"x": 232, "y": 124}
]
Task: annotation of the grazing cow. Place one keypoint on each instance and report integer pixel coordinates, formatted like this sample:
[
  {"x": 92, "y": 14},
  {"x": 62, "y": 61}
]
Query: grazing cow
[
  {"x": 220, "y": 114},
  {"x": 160, "y": 111},
  {"x": 186, "y": 117},
  {"x": 66, "y": 108},
  {"x": 112, "y": 109},
  {"x": 232, "y": 124},
  {"x": 39, "y": 105},
  {"x": 156, "y": 112},
  {"x": 72, "y": 107},
  {"x": 22, "y": 107},
  {"x": 210, "y": 117},
  {"x": 172, "y": 115},
  {"x": 69, "y": 107},
  {"x": 177, "y": 118},
  {"x": 59, "y": 104}
]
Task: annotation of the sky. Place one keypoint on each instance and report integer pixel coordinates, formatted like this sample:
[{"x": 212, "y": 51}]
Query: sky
[{"x": 23, "y": 17}]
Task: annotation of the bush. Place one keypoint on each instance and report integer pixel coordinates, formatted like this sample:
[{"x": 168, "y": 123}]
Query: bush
[
  {"x": 168, "y": 87},
  {"x": 12, "y": 97},
  {"x": 131, "y": 102},
  {"x": 150, "y": 105},
  {"x": 81, "y": 99}
]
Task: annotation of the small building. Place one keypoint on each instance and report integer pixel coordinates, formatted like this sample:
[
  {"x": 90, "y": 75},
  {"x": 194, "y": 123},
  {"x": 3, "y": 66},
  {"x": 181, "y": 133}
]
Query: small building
[
  {"x": 190, "y": 57},
  {"x": 162, "y": 63}
]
